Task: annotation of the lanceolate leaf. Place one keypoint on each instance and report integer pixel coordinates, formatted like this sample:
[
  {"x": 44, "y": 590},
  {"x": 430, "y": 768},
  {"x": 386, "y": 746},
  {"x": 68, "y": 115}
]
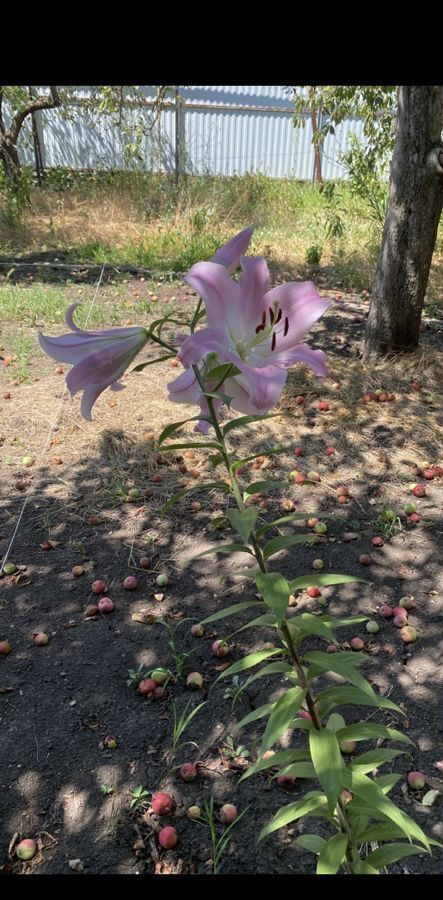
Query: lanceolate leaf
[
  {"x": 328, "y": 764},
  {"x": 311, "y": 842},
  {"x": 263, "y": 487},
  {"x": 170, "y": 429},
  {"x": 371, "y": 760},
  {"x": 252, "y": 659},
  {"x": 298, "y": 584},
  {"x": 223, "y": 548},
  {"x": 284, "y": 711},
  {"x": 391, "y": 853},
  {"x": 230, "y": 611},
  {"x": 365, "y": 731},
  {"x": 208, "y": 486},
  {"x": 332, "y": 854},
  {"x": 150, "y": 362},
  {"x": 258, "y": 713},
  {"x": 285, "y": 757},
  {"x": 322, "y": 662},
  {"x": 272, "y": 669},
  {"x": 335, "y": 722},
  {"x": 359, "y": 867},
  {"x": 245, "y": 420},
  {"x": 243, "y": 520},
  {"x": 340, "y": 696},
  {"x": 287, "y": 540},
  {"x": 275, "y": 592},
  {"x": 315, "y": 625},
  {"x": 190, "y": 445},
  {"x": 298, "y": 770},
  {"x": 220, "y": 372},
  {"x": 284, "y": 520},
  {"x": 367, "y": 790},
  {"x": 294, "y": 811},
  {"x": 266, "y": 619}
]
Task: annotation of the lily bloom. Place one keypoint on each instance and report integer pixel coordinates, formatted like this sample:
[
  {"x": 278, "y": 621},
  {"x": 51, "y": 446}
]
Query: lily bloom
[
  {"x": 99, "y": 358},
  {"x": 256, "y": 329}
]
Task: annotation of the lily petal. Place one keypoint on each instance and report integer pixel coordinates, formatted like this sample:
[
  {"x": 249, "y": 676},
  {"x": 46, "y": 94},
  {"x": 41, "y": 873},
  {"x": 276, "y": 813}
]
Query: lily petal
[
  {"x": 185, "y": 388},
  {"x": 221, "y": 295},
  {"x": 316, "y": 359},
  {"x": 229, "y": 255},
  {"x": 199, "y": 344},
  {"x": 301, "y": 306},
  {"x": 254, "y": 284}
]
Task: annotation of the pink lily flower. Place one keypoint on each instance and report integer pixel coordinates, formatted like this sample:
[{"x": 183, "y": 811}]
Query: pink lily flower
[
  {"x": 99, "y": 358},
  {"x": 256, "y": 329}
]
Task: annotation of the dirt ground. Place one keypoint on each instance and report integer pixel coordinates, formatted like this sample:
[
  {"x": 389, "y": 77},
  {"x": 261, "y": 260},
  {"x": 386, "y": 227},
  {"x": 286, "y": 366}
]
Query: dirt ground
[{"x": 61, "y": 784}]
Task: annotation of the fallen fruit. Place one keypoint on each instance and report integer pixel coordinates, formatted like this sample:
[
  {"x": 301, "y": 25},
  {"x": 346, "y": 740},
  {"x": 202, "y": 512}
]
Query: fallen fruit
[
  {"x": 419, "y": 490},
  {"x": 298, "y": 451},
  {"x": 385, "y": 611},
  {"x": 162, "y": 580},
  {"x": 188, "y": 771},
  {"x": 196, "y": 505},
  {"x": 372, "y": 627},
  {"x": 98, "y": 587},
  {"x": 160, "y": 675},
  {"x": 414, "y": 519},
  {"x": 311, "y": 523},
  {"x": 342, "y": 491},
  {"x": 28, "y": 461},
  {"x": 145, "y": 562},
  {"x": 130, "y": 583},
  {"x": 317, "y": 564},
  {"x": 406, "y": 603},
  {"x": 194, "y": 680},
  {"x": 331, "y": 648},
  {"x": 5, "y": 648},
  {"x": 357, "y": 643},
  {"x": 91, "y": 610},
  {"x": 105, "y": 605},
  {"x": 313, "y": 476},
  {"x": 160, "y": 693},
  {"x": 410, "y": 508},
  {"x": 408, "y": 634},
  {"x": 329, "y": 451},
  {"x": 299, "y": 400},
  {"x": 286, "y": 782},
  {"x": 26, "y": 849},
  {"x": 40, "y": 638},
  {"x": 348, "y": 746},
  {"x": 220, "y": 648},
  {"x": 428, "y": 474},
  {"x": 228, "y": 813},
  {"x": 287, "y": 505},
  {"x": 162, "y": 804},
  {"x": 110, "y": 742},
  {"x": 416, "y": 780},
  {"x": 365, "y": 559},
  {"x": 377, "y": 541},
  {"x": 313, "y": 592},
  {"x": 197, "y": 630},
  {"x": 94, "y": 520},
  {"x": 320, "y": 528},
  {"x": 9, "y": 568},
  {"x": 168, "y": 837},
  {"x": 147, "y": 686},
  {"x": 400, "y": 621},
  {"x": 323, "y": 406},
  {"x": 193, "y": 812}
]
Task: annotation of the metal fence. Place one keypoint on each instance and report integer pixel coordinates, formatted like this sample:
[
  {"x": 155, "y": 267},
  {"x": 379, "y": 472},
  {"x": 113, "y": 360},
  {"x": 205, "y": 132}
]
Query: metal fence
[{"x": 206, "y": 130}]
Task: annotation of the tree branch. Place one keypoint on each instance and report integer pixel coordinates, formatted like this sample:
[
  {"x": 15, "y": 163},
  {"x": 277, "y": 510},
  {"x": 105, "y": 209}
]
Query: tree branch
[{"x": 38, "y": 103}]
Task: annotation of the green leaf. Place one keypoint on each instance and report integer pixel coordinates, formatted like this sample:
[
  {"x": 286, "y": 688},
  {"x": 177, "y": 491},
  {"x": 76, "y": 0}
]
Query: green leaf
[
  {"x": 190, "y": 445},
  {"x": 292, "y": 812},
  {"x": 272, "y": 669},
  {"x": 332, "y": 854},
  {"x": 430, "y": 798},
  {"x": 371, "y": 760},
  {"x": 287, "y": 540},
  {"x": 328, "y": 764},
  {"x": 335, "y": 722},
  {"x": 253, "y": 659},
  {"x": 344, "y": 623},
  {"x": 208, "y": 486},
  {"x": 230, "y": 611},
  {"x": 263, "y": 487},
  {"x": 215, "y": 460},
  {"x": 150, "y": 362},
  {"x": 298, "y": 770},
  {"x": 243, "y": 521},
  {"x": 284, "y": 711},
  {"x": 297, "y": 584},
  {"x": 223, "y": 548},
  {"x": 365, "y": 731},
  {"x": 391, "y": 853},
  {"x": 310, "y": 842},
  {"x": 220, "y": 372},
  {"x": 265, "y": 619},
  {"x": 382, "y": 832},
  {"x": 371, "y": 793},
  {"x": 284, "y": 520},
  {"x": 387, "y": 782},
  {"x": 314, "y": 625},
  {"x": 359, "y": 867},
  {"x": 245, "y": 420},
  {"x": 175, "y": 427},
  {"x": 275, "y": 592},
  {"x": 258, "y": 713},
  {"x": 284, "y": 757},
  {"x": 322, "y": 662},
  {"x": 339, "y": 696}
]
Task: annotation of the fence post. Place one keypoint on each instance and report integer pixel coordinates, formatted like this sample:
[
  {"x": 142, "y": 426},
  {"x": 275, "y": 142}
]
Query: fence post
[{"x": 177, "y": 134}]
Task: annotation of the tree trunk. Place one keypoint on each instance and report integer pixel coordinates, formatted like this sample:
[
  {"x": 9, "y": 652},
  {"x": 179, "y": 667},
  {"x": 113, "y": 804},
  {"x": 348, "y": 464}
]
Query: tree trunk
[
  {"x": 10, "y": 160},
  {"x": 410, "y": 230}
]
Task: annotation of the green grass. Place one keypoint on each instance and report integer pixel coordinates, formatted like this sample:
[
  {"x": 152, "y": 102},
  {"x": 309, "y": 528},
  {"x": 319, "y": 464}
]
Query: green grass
[
  {"x": 22, "y": 347},
  {"x": 42, "y": 304}
]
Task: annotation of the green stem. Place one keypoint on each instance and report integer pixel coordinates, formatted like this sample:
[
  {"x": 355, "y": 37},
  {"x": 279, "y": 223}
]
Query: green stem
[{"x": 162, "y": 343}]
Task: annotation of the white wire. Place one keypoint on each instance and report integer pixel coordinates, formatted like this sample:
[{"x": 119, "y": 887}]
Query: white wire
[{"x": 48, "y": 439}]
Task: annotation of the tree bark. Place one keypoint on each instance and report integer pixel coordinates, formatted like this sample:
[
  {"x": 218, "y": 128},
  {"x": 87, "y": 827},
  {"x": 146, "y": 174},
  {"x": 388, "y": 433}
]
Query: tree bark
[
  {"x": 410, "y": 230},
  {"x": 8, "y": 137}
]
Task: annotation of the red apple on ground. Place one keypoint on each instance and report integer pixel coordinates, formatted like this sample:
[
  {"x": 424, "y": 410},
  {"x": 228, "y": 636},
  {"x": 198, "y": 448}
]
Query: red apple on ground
[
  {"x": 168, "y": 837},
  {"x": 105, "y": 605},
  {"x": 194, "y": 680},
  {"x": 5, "y": 648},
  {"x": 357, "y": 643},
  {"x": 146, "y": 687},
  {"x": 162, "y": 804},
  {"x": 228, "y": 813},
  {"x": 416, "y": 780},
  {"x": 98, "y": 587},
  {"x": 220, "y": 648},
  {"x": 26, "y": 849},
  {"x": 365, "y": 559},
  {"x": 130, "y": 583},
  {"x": 385, "y": 611},
  {"x": 313, "y": 592},
  {"x": 188, "y": 771}
]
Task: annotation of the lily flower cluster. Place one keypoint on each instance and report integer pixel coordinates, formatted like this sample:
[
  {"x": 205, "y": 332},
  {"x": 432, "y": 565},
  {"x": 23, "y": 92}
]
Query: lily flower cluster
[{"x": 254, "y": 328}]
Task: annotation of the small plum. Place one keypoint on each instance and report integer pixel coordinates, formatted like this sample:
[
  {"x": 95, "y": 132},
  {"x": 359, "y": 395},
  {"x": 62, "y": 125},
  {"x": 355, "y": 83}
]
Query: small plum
[
  {"x": 91, "y": 610},
  {"x": 372, "y": 627},
  {"x": 26, "y": 849},
  {"x": 400, "y": 621},
  {"x": 130, "y": 583},
  {"x": 342, "y": 491},
  {"x": 146, "y": 686},
  {"x": 160, "y": 693},
  {"x": 287, "y": 505},
  {"x": 323, "y": 406},
  {"x": 410, "y": 508},
  {"x": 419, "y": 490},
  {"x": 317, "y": 564},
  {"x": 188, "y": 771},
  {"x": 162, "y": 804},
  {"x": 162, "y": 580},
  {"x": 299, "y": 400},
  {"x": 408, "y": 635},
  {"x": 220, "y": 648},
  {"x": 77, "y": 571},
  {"x": 168, "y": 837},
  {"x": 5, "y": 648},
  {"x": 110, "y": 742},
  {"x": 343, "y": 498},
  {"x": 320, "y": 528},
  {"x": 331, "y": 648},
  {"x": 298, "y": 451},
  {"x": 330, "y": 451},
  {"x": 197, "y": 630},
  {"x": 313, "y": 592},
  {"x": 348, "y": 746},
  {"x": 160, "y": 675},
  {"x": 312, "y": 522},
  {"x": 194, "y": 680},
  {"x": 406, "y": 603},
  {"x": 416, "y": 780},
  {"x": 40, "y": 638},
  {"x": 196, "y": 505},
  {"x": 228, "y": 813},
  {"x": 286, "y": 782},
  {"x": 312, "y": 475},
  {"x": 365, "y": 559},
  {"x": 377, "y": 541},
  {"x": 105, "y": 605},
  {"x": 98, "y": 587},
  {"x": 145, "y": 562},
  {"x": 193, "y": 812},
  {"x": 357, "y": 643},
  {"x": 385, "y": 611},
  {"x": 414, "y": 519}
]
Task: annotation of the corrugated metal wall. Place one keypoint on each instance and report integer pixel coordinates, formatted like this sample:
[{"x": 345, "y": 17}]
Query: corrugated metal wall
[{"x": 223, "y": 130}]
